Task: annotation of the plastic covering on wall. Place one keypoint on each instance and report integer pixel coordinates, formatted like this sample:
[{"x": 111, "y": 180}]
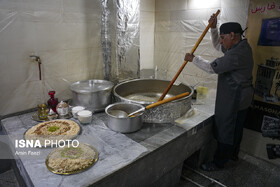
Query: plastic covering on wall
[
  {"x": 70, "y": 38},
  {"x": 179, "y": 25}
]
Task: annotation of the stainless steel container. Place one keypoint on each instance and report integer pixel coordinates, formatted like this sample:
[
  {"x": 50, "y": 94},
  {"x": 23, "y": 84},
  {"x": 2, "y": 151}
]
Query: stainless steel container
[
  {"x": 124, "y": 125},
  {"x": 154, "y": 88},
  {"x": 94, "y": 95}
]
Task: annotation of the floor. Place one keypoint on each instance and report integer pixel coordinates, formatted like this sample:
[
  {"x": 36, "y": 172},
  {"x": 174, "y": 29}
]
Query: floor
[
  {"x": 8, "y": 179},
  {"x": 248, "y": 171}
]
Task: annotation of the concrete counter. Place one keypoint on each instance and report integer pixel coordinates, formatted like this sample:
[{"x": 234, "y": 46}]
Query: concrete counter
[{"x": 151, "y": 156}]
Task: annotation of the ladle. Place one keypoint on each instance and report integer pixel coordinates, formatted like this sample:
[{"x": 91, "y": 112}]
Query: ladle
[
  {"x": 123, "y": 114},
  {"x": 119, "y": 113}
]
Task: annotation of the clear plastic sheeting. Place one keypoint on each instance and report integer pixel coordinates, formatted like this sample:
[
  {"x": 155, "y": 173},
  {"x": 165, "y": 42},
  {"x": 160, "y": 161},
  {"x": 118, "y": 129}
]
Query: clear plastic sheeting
[
  {"x": 65, "y": 34},
  {"x": 75, "y": 39},
  {"x": 179, "y": 26}
]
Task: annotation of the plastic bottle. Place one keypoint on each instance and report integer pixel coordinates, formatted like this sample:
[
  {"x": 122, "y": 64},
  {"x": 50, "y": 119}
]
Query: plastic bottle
[{"x": 52, "y": 102}]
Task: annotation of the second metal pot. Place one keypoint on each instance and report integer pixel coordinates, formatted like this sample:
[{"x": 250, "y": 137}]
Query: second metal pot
[
  {"x": 94, "y": 95},
  {"x": 124, "y": 125}
]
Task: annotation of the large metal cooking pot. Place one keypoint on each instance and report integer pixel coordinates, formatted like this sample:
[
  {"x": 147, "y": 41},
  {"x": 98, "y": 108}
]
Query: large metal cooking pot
[
  {"x": 129, "y": 91},
  {"x": 95, "y": 95},
  {"x": 127, "y": 124}
]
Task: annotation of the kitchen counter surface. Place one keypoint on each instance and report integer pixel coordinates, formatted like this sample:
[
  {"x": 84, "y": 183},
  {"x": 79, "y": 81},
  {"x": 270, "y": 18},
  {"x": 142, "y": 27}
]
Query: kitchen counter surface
[{"x": 153, "y": 155}]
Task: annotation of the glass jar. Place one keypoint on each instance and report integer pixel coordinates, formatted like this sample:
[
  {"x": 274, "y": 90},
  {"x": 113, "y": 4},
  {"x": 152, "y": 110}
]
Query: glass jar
[
  {"x": 201, "y": 94},
  {"x": 42, "y": 111}
]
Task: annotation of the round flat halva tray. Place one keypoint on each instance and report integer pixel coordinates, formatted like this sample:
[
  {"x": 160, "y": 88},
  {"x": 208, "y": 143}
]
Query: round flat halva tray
[
  {"x": 54, "y": 131},
  {"x": 72, "y": 160}
]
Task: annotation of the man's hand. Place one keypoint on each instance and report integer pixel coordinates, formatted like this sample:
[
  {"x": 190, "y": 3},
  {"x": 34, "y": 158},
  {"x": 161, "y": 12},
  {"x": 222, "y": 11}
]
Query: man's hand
[
  {"x": 213, "y": 19},
  {"x": 189, "y": 57}
]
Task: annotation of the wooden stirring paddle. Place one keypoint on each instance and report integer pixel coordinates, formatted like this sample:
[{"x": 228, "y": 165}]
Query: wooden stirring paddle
[
  {"x": 185, "y": 62},
  {"x": 159, "y": 103}
]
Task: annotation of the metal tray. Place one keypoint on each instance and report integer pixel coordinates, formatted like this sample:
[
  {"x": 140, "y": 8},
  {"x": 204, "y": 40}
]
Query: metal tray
[
  {"x": 95, "y": 159},
  {"x": 36, "y": 118}
]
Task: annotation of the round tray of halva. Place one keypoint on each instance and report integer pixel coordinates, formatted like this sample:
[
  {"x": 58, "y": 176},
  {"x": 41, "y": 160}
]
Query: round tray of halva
[
  {"x": 72, "y": 160},
  {"x": 53, "y": 132}
]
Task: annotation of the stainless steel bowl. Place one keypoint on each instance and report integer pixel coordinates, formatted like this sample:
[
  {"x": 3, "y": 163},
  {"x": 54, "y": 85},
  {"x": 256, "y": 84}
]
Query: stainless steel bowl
[
  {"x": 154, "y": 88},
  {"x": 94, "y": 95},
  {"x": 124, "y": 125}
]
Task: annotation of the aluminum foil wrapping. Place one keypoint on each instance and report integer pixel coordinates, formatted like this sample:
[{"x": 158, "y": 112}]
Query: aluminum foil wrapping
[
  {"x": 120, "y": 39},
  {"x": 168, "y": 112},
  {"x": 106, "y": 40},
  {"x": 165, "y": 113}
]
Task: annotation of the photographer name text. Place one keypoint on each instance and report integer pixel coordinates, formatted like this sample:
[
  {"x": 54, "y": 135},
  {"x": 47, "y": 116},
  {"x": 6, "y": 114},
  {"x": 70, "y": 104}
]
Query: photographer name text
[{"x": 31, "y": 153}]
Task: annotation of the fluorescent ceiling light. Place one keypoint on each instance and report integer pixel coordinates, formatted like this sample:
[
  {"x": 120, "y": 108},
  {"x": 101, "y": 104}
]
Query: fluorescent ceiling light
[{"x": 203, "y": 4}]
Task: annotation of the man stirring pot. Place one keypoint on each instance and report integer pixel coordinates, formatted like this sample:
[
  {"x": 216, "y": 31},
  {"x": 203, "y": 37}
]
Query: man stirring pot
[{"x": 234, "y": 89}]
